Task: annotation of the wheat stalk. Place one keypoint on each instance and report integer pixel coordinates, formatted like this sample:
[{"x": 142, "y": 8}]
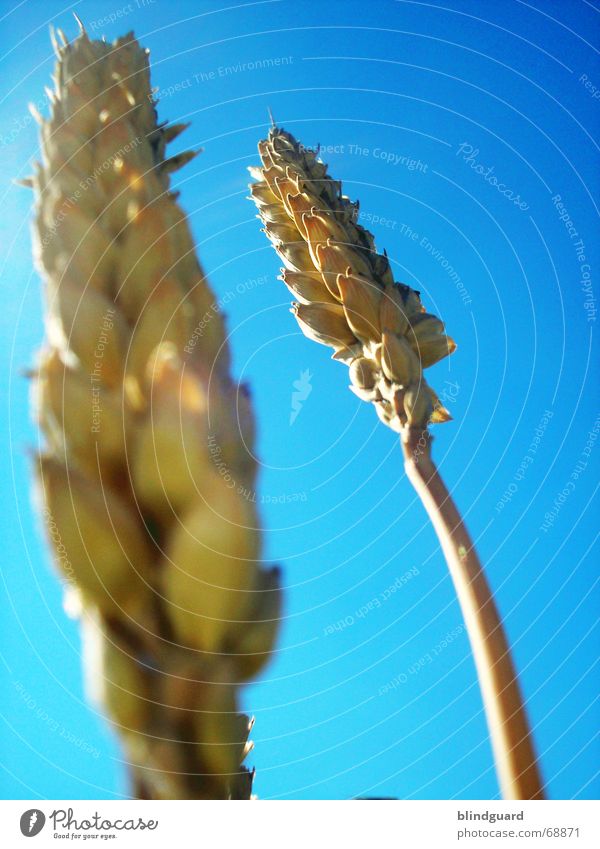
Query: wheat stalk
[
  {"x": 136, "y": 404},
  {"x": 348, "y": 300}
]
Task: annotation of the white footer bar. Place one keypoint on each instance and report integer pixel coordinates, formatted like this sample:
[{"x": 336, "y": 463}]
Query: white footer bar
[{"x": 309, "y": 825}]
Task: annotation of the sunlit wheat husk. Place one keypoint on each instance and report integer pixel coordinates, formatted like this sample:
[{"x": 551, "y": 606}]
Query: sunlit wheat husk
[
  {"x": 347, "y": 299},
  {"x": 135, "y": 401},
  {"x": 345, "y": 291}
]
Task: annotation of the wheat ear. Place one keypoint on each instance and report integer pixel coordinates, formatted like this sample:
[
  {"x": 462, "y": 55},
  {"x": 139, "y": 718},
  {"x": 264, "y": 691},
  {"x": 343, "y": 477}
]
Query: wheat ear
[
  {"x": 347, "y": 299},
  {"x": 140, "y": 419}
]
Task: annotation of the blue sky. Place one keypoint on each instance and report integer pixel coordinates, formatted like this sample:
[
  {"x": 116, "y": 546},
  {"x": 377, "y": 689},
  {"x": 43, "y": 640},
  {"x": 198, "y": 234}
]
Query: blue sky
[{"x": 466, "y": 131}]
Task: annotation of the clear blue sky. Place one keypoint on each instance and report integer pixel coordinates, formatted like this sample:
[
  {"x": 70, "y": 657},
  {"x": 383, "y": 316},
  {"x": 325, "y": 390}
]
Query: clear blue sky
[{"x": 461, "y": 88}]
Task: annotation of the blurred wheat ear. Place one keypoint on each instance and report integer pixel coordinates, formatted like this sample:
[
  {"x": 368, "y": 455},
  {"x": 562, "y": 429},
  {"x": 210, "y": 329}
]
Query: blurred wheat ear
[
  {"x": 136, "y": 405},
  {"x": 347, "y": 299}
]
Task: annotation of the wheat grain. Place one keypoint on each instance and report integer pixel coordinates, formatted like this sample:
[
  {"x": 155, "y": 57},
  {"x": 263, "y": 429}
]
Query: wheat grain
[
  {"x": 348, "y": 300},
  {"x": 347, "y": 297},
  {"x": 162, "y": 552}
]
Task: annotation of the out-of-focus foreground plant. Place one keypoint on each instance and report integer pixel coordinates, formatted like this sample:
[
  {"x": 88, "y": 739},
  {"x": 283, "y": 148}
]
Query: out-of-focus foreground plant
[{"x": 134, "y": 399}]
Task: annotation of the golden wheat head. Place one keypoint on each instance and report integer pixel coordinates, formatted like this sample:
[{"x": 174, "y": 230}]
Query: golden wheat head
[{"x": 346, "y": 295}]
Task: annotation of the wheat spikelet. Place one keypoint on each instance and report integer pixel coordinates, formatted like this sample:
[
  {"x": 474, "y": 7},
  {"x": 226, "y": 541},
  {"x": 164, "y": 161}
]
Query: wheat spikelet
[
  {"x": 136, "y": 404},
  {"x": 346, "y": 294},
  {"x": 347, "y": 299}
]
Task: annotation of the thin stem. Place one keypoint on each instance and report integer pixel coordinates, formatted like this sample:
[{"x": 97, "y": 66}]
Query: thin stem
[{"x": 507, "y": 722}]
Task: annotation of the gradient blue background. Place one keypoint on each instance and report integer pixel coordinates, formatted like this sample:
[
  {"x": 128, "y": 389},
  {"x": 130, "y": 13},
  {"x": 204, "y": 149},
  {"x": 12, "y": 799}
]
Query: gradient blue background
[{"x": 411, "y": 79}]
